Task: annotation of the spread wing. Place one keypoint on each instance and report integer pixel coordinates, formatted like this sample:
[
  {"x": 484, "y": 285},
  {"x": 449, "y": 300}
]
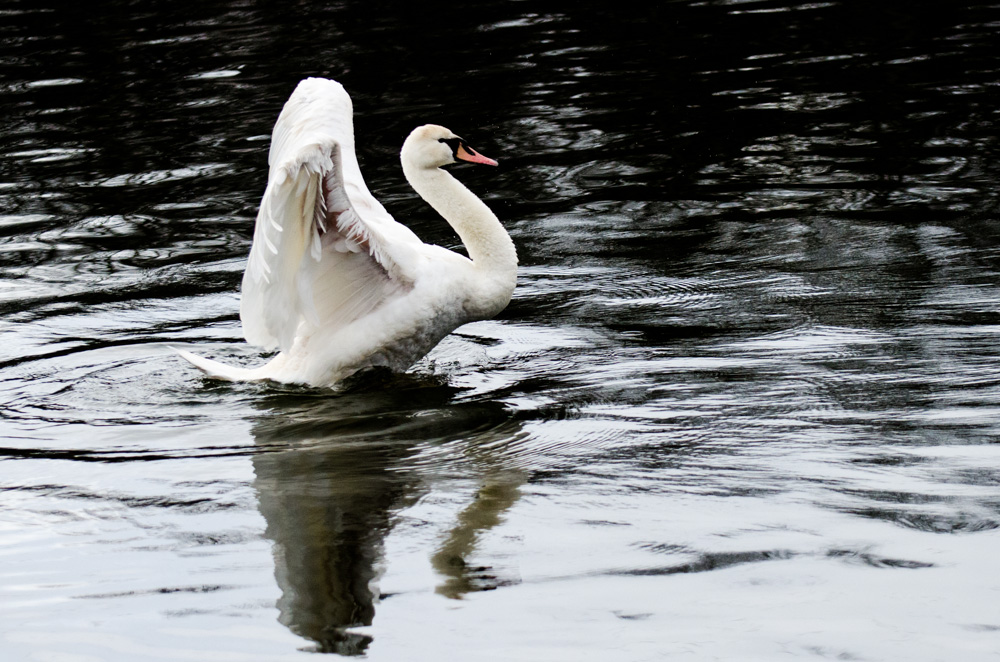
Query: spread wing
[{"x": 325, "y": 252}]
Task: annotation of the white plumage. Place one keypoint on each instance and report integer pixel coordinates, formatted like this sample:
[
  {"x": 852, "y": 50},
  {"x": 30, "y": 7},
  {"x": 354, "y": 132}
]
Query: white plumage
[{"x": 332, "y": 280}]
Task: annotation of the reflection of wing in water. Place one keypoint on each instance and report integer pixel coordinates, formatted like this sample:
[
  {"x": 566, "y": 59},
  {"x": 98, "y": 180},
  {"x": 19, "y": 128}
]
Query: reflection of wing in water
[{"x": 332, "y": 471}]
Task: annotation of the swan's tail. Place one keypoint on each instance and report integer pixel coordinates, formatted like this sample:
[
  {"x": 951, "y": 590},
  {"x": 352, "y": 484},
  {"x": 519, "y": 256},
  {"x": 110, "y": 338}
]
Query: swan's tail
[{"x": 215, "y": 369}]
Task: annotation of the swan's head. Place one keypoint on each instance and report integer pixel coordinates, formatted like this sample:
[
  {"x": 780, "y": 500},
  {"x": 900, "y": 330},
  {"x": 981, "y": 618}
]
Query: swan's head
[{"x": 433, "y": 146}]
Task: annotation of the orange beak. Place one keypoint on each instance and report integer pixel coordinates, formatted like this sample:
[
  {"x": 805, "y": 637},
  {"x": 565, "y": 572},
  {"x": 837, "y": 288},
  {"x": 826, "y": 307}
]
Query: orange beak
[{"x": 466, "y": 153}]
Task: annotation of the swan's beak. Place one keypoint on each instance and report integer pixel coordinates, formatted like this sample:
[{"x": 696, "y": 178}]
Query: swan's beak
[{"x": 466, "y": 153}]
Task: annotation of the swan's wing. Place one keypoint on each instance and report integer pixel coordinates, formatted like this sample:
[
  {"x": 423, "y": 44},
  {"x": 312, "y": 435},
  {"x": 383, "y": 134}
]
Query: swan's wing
[{"x": 325, "y": 252}]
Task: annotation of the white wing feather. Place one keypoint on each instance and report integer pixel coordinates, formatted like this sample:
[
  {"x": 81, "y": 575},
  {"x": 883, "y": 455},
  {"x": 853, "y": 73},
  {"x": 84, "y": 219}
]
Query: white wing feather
[{"x": 325, "y": 252}]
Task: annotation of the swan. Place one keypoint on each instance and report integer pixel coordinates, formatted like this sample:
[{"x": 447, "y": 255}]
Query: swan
[{"x": 332, "y": 280}]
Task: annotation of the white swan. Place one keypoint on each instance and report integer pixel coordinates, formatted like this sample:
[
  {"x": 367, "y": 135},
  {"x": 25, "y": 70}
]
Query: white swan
[{"x": 335, "y": 282}]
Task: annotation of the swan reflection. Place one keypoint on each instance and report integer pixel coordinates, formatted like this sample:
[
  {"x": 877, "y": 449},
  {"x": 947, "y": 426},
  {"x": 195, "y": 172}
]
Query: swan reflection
[
  {"x": 333, "y": 471},
  {"x": 499, "y": 491}
]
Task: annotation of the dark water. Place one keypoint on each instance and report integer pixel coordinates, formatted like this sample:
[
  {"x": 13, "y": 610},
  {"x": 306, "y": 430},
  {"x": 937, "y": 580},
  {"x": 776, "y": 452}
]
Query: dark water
[{"x": 745, "y": 404}]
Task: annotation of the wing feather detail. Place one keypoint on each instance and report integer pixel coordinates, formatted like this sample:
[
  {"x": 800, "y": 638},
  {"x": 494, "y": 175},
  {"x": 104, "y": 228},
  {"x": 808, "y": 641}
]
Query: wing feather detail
[{"x": 325, "y": 252}]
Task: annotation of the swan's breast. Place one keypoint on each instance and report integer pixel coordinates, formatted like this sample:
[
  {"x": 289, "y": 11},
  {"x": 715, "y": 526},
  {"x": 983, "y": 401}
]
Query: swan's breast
[{"x": 428, "y": 320}]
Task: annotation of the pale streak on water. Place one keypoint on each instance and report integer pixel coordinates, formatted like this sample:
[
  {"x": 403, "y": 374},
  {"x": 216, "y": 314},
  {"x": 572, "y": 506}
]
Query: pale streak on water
[{"x": 745, "y": 404}]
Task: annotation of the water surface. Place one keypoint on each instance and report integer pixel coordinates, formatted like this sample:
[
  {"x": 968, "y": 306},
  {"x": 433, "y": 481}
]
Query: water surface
[{"x": 745, "y": 403}]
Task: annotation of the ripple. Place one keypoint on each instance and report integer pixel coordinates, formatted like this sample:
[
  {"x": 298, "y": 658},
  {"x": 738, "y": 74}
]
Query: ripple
[
  {"x": 54, "y": 82},
  {"x": 932, "y": 523},
  {"x": 682, "y": 293},
  {"x": 819, "y": 342},
  {"x": 218, "y": 73},
  {"x": 160, "y": 176},
  {"x": 52, "y": 154},
  {"x": 874, "y": 561},
  {"x": 712, "y": 561}
]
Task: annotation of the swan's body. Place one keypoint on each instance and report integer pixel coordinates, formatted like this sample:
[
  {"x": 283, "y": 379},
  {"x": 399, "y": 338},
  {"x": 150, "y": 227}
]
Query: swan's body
[{"x": 332, "y": 280}]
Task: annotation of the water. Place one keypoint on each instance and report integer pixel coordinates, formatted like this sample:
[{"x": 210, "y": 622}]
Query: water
[{"x": 745, "y": 403}]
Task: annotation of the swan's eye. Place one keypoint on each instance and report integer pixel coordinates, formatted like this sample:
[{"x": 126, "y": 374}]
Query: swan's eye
[{"x": 454, "y": 143}]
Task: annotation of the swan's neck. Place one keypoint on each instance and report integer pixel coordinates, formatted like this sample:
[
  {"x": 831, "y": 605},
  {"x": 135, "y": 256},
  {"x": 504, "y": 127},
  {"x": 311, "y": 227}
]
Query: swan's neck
[{"x": 488, "y": 244}]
